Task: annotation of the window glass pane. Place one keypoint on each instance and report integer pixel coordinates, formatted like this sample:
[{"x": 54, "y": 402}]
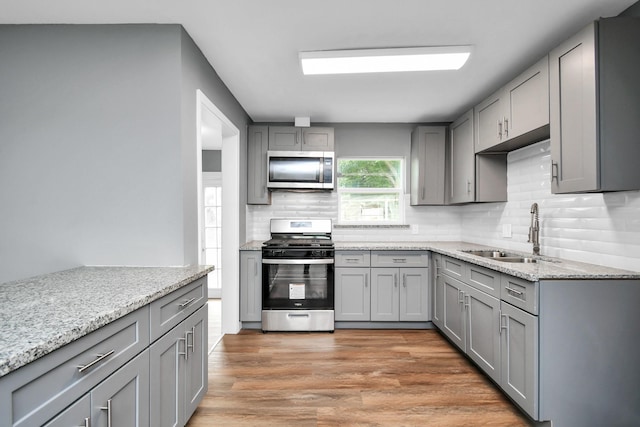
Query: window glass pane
[
  {"x": 210, "y": 196},
  {"x": 210, "y": 217},
  {"x": 360, "y": 173},
  {"x": 369, "y": 207}
]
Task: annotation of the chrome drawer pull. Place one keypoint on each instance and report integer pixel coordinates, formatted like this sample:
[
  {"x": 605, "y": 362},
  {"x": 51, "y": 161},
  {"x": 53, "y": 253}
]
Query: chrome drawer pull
[
  {"x": 514, "y": 291},
  {"x": 400, "y": 260},
  {"x": 180, "y": 353},
  {"x": 100, "y": 358},
  {"x": 351, "y": 259},
  {"x": 108, "y": 409},
  {"x": 186, "y": 303}
]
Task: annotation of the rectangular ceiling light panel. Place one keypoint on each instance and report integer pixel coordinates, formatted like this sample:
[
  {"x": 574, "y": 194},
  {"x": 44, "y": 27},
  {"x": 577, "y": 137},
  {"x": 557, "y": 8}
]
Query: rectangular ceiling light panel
[{"x": 384, "y": 60}]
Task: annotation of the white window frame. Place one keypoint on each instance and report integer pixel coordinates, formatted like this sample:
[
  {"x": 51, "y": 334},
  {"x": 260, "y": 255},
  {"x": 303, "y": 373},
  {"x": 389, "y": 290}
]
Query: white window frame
[{"x": 400, "y": 191}]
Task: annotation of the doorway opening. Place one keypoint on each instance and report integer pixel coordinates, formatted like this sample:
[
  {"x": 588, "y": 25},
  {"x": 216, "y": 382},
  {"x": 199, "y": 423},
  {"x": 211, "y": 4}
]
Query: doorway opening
[{"x": 216, "y": 132}]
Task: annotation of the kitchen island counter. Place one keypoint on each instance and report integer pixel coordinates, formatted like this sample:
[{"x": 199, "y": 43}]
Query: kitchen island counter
[{"x": 41, "y": 314}]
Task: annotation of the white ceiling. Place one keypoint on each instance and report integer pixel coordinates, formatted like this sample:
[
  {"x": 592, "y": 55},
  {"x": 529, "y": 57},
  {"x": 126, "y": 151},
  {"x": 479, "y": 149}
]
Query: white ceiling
[{"x": 254, "y": 45}]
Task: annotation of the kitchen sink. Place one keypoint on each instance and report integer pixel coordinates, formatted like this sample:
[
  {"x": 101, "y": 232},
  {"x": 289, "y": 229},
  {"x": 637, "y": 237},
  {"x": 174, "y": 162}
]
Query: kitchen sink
[{"x": 501, "y": 256}]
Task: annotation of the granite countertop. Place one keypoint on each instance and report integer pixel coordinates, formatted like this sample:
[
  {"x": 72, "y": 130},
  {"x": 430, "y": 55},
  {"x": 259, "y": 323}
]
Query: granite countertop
[
  {"x": 41, "y": 314},
  {"x": 546, "y": 268}
]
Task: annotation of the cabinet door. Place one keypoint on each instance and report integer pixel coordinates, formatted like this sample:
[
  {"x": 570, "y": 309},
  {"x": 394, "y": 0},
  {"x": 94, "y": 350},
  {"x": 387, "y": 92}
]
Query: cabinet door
[
  {"x": 196, "y": 381},
  {"x": 352, "y": 294},
  {"x": 573, "y": 126},
  {"x": 250, "y": 286},
  {"x": 428, "y": 161},
  {"x": 414, "y": 294},
  {"x": 483, "y": 331},
  {"x": 123, "y": 399},
  {"x": 78, "y": 414},
  {"x": 317, "y": 139},
  {"x": 462, "y": 160},
  {"x": 385, "y": 294},
  {"x": 526, "y": 105},
  {"x": 519, "y": 357},
  {"x": 166, "y": 365},
  {"x": 453, "y": 324},
  {"x": 284, "y": 138},
  {"x": 437, "y": 293},
  {"x": 488, "y": 117},
  {"x": 257, "y": 146}
]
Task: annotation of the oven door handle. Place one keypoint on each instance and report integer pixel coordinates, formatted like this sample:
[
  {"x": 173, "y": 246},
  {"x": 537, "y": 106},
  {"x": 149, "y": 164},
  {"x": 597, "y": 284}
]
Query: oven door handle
[{"x": 297, "y": 261}]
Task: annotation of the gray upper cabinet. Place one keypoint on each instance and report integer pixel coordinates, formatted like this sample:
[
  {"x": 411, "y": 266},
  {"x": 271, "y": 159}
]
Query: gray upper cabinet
[
  {"x": 474, "y": 178},
  {"x": 595, "y": 99},
  {"x": 289, "y": 138},
  {"x": 284, "y": 138},
  {"x": 517, "y": 114},
  {"x": 318, "y": 139},
  {"x": 462, "y": 185},
  {"x": 428, "y": 145},
  {"x": 257, "y": 146}
]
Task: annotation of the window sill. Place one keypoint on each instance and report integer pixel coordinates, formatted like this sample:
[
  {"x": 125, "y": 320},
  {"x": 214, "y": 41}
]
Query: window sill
[{"x": 365, "y": 226}]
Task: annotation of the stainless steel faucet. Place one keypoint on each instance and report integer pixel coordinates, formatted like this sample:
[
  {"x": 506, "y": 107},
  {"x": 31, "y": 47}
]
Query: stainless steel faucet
[{"x": 534, "y": 230}]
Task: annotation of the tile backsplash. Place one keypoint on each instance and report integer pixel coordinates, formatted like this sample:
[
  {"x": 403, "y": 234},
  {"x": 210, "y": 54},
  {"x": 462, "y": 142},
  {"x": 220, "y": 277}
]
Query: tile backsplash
[{"x": 599, "y": 228}]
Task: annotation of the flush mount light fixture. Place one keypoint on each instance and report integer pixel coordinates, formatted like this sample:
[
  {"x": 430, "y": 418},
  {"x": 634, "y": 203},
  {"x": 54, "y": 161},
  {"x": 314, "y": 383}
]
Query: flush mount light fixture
[{"x": 384, "y": 60}]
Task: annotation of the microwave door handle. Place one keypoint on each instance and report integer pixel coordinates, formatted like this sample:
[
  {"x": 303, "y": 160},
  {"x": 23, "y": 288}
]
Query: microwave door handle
[{"x": 321, "y": 170}]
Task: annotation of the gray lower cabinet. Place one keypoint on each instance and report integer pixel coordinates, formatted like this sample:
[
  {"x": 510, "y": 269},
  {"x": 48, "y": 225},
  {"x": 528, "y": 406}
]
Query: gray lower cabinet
[
  {"x": 250, "y": 286},
  {"x": 399, "y": 294},
  {"x": 178, "y": 371},
  {"x": 352, "y": 294},
  {"x": 499, "y": 336},
  {"x": 103, "y": 378},
  {"x": 519, "y": 354},
  {"x": 257, "y": 147},
  {"x": 437, "y": 293},
  {"x": 428, "y": 165},
  {"x": 123, "y": 398},
  {"x": 594, "y": 100}
]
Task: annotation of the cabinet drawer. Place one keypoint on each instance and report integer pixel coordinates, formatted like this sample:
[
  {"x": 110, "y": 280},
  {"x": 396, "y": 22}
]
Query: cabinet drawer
[
  {"x": 484, "y": 279},
  {"x": 452, "y": 267},
  {"x": 27, "y": 398},
  {"x": 399, "y": 259},
  {"x": 172, "y": 309},
  {"x": 353, "y": 258},
  {"x": 520, "y": 293}
]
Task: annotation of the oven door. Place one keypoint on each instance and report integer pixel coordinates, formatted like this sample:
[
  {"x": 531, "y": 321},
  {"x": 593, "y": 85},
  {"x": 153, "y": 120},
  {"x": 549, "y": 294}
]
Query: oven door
[{"x": 297, "y": 284}]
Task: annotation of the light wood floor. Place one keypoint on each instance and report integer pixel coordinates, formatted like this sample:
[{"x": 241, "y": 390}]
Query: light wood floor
[{"x": 349, "y": 378}]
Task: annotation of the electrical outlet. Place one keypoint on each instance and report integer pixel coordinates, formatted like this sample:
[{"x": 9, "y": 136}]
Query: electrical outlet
[
  {"x": 414, "y": 229},
  {"x": 506, "y": 230}
]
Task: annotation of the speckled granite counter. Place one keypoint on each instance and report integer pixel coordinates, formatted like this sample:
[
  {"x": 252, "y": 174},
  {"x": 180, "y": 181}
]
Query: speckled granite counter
[
  {"x": 546, "y": 268},
  {"x": 41, "y": 314}
]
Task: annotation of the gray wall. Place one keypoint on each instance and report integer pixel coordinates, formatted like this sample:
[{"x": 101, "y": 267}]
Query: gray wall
[
  {"x": 93, "y": 139},
  {"x": 211, "y": 161}
]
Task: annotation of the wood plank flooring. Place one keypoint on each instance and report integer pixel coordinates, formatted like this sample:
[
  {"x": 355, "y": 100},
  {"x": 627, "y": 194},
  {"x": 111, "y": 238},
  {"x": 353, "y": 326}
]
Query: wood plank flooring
[{"x": 348, "y": 378}]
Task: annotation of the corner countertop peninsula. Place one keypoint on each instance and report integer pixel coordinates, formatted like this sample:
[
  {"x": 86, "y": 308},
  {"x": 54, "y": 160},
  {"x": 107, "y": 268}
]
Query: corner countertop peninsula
[{"x": 41, "y": 314}]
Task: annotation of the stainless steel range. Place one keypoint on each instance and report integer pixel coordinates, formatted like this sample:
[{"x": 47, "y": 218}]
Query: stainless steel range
[{"x": 298, "y": 276}]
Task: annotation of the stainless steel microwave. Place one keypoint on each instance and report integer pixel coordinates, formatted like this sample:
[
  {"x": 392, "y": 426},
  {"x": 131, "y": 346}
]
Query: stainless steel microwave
[{"x": 300, "y": 169}]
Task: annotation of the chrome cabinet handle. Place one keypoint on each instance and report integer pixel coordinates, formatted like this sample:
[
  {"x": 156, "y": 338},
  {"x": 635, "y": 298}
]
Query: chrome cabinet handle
[
  {"x": 404, "y": 280},
  {"x": 499, "y": 127},
  {"x": 468, "y": 186},
  {"x": 187, "y": 302},
  {"x": 500, "y": 326},
  {"x": 467, "y": 299},
  {"x": 395, "y": 280},
  {"x": 100, "y": 358},
  {"x": 460, "y": 300},
  {"x": 87, "y": 422},
  {"x": 506, "y": 127},
  {"x": 554, "y": 175},
  {"x": 183, "y": 353},
  {"x": 108, "y": 409},
  {"x": 366, "y": 280},
  {"x": 192, "y": 332},
  {"x": 514, "y": 291}
]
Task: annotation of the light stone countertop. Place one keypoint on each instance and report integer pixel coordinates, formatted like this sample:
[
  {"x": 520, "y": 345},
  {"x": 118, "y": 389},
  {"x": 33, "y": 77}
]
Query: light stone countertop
[
  {"x": 41, "y": 314},
  {"x": 546, "y": 268}
]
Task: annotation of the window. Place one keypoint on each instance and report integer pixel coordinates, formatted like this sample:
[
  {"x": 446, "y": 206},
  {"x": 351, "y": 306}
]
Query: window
[{"x": 370, "y": 191}]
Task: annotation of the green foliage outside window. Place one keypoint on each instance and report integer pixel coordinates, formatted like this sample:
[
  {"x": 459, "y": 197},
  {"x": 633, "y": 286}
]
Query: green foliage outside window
[{"x": 369, "y": 173}]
